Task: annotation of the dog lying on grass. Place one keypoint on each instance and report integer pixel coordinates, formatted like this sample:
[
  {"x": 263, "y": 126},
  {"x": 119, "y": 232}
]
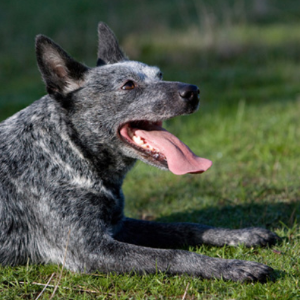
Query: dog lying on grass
[{"x": 63, "y": 160}]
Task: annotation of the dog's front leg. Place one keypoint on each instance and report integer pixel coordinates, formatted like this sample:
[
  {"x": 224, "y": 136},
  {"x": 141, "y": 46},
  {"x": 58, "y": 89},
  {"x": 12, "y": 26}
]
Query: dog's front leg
[
  {"x": 176, "y": 235},
  {"x": 119, "y": 257}
]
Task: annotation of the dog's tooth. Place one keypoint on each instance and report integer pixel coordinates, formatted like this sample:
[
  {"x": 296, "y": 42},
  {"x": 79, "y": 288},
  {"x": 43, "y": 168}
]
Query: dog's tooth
[
  {"x": 137, "y": 140},
  {"x": 140, "y": 142}
]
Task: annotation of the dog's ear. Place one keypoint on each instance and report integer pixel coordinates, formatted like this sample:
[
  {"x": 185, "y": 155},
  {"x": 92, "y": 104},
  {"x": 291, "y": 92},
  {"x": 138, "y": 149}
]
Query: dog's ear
[
  {"x": 61, "y": 73},
  {"x": 109, "y": 51}
]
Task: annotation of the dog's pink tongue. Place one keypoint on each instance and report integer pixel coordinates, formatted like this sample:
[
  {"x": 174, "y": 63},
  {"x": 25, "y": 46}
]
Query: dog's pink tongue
[{"x": 180, "y": 158}]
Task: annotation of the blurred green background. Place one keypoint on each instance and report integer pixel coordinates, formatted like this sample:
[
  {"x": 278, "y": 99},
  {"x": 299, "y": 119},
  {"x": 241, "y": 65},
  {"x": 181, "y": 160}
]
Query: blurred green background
[
  {"x": 245, "y": 57},
  {"x": 232, "y": 49}
]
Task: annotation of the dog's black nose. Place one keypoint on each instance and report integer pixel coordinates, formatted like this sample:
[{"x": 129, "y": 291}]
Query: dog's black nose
[{"x": 189, "y": 92}]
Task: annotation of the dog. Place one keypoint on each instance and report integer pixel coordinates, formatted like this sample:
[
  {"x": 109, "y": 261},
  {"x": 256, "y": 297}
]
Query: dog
[{"x": 63, "y": 160}]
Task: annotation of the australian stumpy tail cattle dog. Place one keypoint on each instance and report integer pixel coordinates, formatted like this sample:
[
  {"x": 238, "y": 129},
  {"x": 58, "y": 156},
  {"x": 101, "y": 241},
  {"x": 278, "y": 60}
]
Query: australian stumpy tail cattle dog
[{"x": 63, "y": 160}]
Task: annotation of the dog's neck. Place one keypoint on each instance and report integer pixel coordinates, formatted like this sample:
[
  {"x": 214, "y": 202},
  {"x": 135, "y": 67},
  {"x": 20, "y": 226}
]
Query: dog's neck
[{"x": 88, "y": 153}]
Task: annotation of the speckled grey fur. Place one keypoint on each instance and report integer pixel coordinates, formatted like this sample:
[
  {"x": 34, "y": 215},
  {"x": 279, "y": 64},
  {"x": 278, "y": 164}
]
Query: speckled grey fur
[{"x": 62, "y": 165}]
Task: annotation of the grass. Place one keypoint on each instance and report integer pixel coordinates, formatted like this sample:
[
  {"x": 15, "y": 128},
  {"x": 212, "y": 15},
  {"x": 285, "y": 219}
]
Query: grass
[{"x": 245, "y": 58}]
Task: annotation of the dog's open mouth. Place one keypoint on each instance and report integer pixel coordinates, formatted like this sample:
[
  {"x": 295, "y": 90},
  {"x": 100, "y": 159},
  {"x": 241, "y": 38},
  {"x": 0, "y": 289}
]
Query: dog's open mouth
[{"x": 157, "y": 144}]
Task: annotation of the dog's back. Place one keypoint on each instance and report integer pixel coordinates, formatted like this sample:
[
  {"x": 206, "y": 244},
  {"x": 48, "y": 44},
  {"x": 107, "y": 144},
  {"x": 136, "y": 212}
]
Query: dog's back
[{"x": 34, "y": 150}]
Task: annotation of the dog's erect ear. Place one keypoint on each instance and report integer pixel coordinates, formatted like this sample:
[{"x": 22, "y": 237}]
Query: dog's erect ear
[
  {"x": 109, "y": 51},
  {"x": 61, "y": 73}
]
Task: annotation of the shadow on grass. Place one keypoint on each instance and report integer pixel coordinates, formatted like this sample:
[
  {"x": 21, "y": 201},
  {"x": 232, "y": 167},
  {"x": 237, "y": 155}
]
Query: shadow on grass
[{"x": 266, "y": 215}]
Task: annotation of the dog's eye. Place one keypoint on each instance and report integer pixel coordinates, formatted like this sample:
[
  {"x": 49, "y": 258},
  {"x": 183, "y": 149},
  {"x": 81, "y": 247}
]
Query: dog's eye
[
  {"x": 160, "y": 75},
  {"x": 129, "y": 85}
]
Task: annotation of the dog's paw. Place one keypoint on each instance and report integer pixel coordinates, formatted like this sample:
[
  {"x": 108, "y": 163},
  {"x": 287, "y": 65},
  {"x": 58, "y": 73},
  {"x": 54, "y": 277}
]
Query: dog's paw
[
  {"x": 246, "y": 271},
  {"x": 255, "y": 237}
]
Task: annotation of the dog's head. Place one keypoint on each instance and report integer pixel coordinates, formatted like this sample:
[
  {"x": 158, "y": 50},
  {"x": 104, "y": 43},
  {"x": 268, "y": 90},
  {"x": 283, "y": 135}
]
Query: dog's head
[{"x": 120, "y": 104}]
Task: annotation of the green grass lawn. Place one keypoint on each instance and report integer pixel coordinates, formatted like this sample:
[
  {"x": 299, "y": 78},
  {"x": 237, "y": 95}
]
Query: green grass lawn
[{"x": 246, "y": 61}]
